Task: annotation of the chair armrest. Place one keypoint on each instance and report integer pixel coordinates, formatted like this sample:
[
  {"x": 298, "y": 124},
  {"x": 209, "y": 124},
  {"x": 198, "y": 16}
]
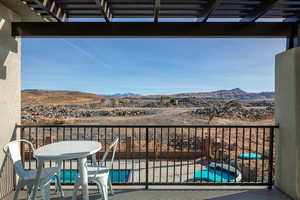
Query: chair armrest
[{"x": 94, "y": 160}]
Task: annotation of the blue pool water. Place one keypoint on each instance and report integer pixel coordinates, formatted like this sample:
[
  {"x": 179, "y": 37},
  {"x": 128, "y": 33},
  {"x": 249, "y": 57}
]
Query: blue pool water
[
  {"x": 213, "y": 176},
  {"x": 116, "y": 176},
  {"x": 250, "y": 156}
]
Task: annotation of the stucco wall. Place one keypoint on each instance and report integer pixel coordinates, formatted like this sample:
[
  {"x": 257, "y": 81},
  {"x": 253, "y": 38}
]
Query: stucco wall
[
  {"x": 10, "y": 82},
  {"x": 287, "y": 89}
]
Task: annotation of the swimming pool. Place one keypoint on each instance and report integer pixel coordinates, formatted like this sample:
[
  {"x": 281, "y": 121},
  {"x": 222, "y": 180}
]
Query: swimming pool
[
  {"x": 250, "y": 156},
  {"x": 116, "y": 175},
  {"x": 214, "y": 176}
]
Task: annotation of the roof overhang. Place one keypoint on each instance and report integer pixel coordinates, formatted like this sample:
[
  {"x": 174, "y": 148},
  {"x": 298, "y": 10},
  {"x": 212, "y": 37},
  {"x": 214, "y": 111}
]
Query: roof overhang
[
  {"x": 154, "y": 30},
  {"x": 163, "y": 18},
  {"x": 158, "y": 10}
]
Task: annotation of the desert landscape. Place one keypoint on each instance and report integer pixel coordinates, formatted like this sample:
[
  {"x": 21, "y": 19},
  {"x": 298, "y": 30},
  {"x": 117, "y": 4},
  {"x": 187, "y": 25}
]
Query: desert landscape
[{"x": 220, "y": 107}]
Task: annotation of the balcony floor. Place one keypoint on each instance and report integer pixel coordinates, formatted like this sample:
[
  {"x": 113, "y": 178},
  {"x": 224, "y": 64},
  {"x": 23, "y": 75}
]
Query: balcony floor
[{"x": 181, "y": 193}]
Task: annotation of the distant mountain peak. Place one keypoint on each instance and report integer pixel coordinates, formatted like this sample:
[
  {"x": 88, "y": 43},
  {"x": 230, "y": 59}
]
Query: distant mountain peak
[
  {"x": 237, "y": 90},
  {"x": 234, "y": 90},
  {"x": 128, "y": 94}
]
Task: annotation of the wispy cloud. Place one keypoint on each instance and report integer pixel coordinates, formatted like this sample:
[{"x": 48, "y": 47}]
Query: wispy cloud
[{"x": 86, "y": 53}]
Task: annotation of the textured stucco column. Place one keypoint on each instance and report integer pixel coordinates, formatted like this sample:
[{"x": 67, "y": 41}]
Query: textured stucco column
[
  {"x": 10, "y": 77},
  {"x": 287, "y": 89}
]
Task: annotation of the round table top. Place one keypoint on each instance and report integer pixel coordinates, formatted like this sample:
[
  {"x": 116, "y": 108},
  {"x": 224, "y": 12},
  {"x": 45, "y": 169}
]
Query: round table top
[{"x": 66, "y": 150}]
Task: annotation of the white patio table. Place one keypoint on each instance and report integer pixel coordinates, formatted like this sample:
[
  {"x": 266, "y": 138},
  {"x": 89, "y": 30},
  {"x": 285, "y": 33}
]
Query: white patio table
[{"x": 66, "y": 150}]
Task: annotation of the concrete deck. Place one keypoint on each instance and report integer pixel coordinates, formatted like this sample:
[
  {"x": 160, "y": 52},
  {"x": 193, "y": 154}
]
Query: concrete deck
[{"x": 175, "y": 193}]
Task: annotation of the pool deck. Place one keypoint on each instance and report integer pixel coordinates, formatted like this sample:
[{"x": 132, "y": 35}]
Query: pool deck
[
  {"x": 180, "y": 193},
  {"x": 159, "y": 171}
]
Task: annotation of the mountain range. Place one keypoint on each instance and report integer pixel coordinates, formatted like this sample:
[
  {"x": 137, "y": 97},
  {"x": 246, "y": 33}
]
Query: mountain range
[{"x": 53, "y": 96}]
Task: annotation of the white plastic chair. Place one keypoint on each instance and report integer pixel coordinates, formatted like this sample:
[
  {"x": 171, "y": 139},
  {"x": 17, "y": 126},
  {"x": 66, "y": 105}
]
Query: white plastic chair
[
  {"x": 28, "y": 177},
  {"x": 99, "y": 174}
]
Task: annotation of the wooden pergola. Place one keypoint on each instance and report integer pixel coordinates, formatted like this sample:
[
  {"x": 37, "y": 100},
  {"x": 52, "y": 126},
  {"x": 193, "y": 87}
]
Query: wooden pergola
[{"x": 240, "y": 18}]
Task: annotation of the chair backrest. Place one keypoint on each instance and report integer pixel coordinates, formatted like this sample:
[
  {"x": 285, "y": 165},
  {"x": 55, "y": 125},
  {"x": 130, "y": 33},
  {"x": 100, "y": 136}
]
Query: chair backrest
[
  {"x": 112, "y": 148},
  {"x": 13, "y": 148}
]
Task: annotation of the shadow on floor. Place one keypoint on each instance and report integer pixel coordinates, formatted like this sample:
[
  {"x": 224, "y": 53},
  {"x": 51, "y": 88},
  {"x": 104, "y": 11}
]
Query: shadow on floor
[
  {"x": 201, "y": 194},
  {"x": 183, "y": 194}
]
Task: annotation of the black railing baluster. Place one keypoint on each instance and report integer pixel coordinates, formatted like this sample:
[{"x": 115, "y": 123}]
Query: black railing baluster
[
  {"x": 64, "y": 162},
  {"x": 168, "y": 151},
  {"x": 209, "y": 153},
  {"x": 57, "y": 139},
  {"x": 188, "y": 150},
  {"x": 249, "y": 170},
  {"x": 131, "y": 150},
  {"x": 71, "y": 162},
  {"x": 236, "y": 149},
  {"x": 36, "y": 144},
  {"x": 112, "y": 138},
  {"x": 105, "y": 141},
  {"x": 215, "y": 151},
  {"x": 139, "y": 155},
  {"x": 99, "y": 140},
  {"x": 22, "y": 146},
  {"x": 203, "y": 148},
  {"x": 243, "y": 153},
  {"x": 229, "y": 156},
  {"x": 30, "y": 150},
  {"x": 154, "y": 153},
  {"x": 263, "y": 160},
  {"x": 119, "y": 159},
  {"x": 256, "y": 154},
  {"x": 147, "y": 160},
  {"x": 271, "y": 150},
  {"x": 160, "y": 158},
  {"x": 91, "y": 138},
  {"x": 175, "y": 146},
  {"x": 195, "y": 150},
  {"x": 181, "y": 150},
  {"x": 222, "y": 164},
  {"x": 126, "y": 149}
]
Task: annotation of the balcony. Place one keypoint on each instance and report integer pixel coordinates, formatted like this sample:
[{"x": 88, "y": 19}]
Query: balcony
[
  {"x": 172, "y": 193},
  {"x": 170, "y": 162}
]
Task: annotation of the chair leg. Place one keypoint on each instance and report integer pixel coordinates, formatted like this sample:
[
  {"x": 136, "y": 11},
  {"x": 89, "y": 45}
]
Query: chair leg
[
  {"x": 104, "y": 185},
  {"x": 105, "y": 191},
  {"x": 46, "y": 191},
  {"x": 98, "y": 186},
  {"x": 58, "y": 186},
  {"x": 110, "y": 186},
  {"x": 76, "y": 188},
  {"x": 18, "y": 188},
  {"x": 29, "y": 190}
]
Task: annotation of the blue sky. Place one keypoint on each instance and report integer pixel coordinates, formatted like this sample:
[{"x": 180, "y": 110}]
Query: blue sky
[{"x": 149, "y": 66}]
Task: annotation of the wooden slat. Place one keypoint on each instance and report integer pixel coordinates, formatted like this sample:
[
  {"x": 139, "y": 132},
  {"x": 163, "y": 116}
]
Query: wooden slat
[
  {"x": 105, "y": 9},
  {"x": 260, "y": 10},
  {"x": 211, "y": 6},
  {"x": 51, "y": 8},
  {"x": 156, "y": 10}
]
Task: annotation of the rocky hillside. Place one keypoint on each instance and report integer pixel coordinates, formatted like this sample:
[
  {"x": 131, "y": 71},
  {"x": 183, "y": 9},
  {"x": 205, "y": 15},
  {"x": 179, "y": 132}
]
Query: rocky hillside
[
  {"x": 234, "y": 94},
  {"x": 58, "y": 97}
]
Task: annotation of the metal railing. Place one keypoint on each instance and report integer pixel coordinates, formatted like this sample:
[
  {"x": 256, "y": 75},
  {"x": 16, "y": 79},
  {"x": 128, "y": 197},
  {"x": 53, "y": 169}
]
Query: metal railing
[{"x": 151, "y": 155}]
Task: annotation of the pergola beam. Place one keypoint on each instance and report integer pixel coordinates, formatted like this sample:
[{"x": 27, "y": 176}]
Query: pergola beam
[
  {"x": 104, "y": 8},
  {"x": 259, "y": 11},
  {"x": 52, "y": 9},
  {"x": 154, "y": 30},
  {"x": 211, "y": 6},
  {"x": 156, "y": 10}
]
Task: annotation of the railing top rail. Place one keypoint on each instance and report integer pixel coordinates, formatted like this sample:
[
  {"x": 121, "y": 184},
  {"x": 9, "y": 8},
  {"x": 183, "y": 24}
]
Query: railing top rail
[{"x": 143, "y": 126}]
